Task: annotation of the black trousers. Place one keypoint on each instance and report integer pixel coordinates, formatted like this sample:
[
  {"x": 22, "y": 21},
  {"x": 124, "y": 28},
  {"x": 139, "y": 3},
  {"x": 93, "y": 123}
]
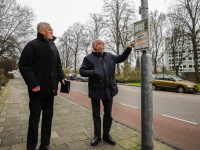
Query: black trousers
[
  {"x": 107, "y": 117},
  {"x": 36, "y": 106}
]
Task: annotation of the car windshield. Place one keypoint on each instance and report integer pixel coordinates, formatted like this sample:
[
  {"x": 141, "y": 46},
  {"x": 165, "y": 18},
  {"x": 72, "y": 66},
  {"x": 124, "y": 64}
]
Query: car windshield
[{"x": 177, "y": 78}]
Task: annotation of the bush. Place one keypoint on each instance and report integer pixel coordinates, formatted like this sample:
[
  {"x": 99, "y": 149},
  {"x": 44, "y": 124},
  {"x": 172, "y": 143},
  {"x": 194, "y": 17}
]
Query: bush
[
  {"x": 10, "y": 76},
  {"x": 3, "y": 80},
  {"x": 129, "y": 79},
  {"x": 1, "y": 71},
  {"x": 133, "y": 79},
  {"x": 66, "y": 71}
]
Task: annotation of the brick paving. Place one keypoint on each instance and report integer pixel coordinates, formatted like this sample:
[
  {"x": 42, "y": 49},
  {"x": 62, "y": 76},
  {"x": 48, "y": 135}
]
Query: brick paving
[{"x": 72, "y": 126}]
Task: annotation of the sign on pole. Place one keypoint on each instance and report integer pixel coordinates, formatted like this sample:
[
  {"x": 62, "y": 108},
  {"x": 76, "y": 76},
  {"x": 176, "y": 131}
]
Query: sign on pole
[{"x": 141, "y": 35}]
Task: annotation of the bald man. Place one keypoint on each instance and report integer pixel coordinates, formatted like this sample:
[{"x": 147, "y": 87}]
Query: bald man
[{"x": 99, "y": 66}]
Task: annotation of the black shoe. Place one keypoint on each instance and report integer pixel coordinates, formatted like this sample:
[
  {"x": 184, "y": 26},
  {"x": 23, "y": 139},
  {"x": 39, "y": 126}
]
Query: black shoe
[
  {"x": 95, "y": 141},
  {"x": 108, "y": 139},
  {"x": 45, "y": 148}
]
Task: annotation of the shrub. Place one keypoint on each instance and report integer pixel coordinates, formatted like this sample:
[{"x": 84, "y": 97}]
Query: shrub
[
  {"x": 3, "y": 80},
  {"x": 1, "y": 71},
  {"x": 129, "y": 79},
  {"x": 66, "y": 71},
  {"x": 120, "y": 79},
  {"x": 10, "y": 76},
  {"x": 133, "y": 79}
]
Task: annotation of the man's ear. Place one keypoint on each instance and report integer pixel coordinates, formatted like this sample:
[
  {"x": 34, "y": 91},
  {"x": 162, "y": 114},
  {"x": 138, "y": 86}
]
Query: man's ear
[
  {"x": 41, "y": 31},
  {"x": 96, "y": 48}
]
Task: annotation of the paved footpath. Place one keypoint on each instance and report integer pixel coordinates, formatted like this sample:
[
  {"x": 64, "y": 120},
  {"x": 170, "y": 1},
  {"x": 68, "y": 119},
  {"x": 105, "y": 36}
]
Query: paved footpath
[{"x": 72, "y": 126}]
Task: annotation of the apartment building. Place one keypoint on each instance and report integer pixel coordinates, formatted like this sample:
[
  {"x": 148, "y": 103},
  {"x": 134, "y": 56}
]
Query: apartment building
[{"x": 187, "y": 63}]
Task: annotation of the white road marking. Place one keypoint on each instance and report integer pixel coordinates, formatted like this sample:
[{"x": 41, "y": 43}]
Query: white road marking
[
  {"x": 179, "y": 119},
  {"x": 129, "y": 106}
]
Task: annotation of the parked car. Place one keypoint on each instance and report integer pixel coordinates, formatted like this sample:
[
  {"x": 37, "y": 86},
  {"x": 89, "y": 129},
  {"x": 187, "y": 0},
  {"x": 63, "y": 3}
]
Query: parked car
[
  {"x": 71, "y": 76},
  {"x": 165, "y": 81},
  {"x": 81, "y": 78}
]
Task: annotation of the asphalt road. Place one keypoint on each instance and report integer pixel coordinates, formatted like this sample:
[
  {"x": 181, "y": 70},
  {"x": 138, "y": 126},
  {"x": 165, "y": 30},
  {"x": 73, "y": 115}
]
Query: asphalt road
[{"x": 182, "y": 106}]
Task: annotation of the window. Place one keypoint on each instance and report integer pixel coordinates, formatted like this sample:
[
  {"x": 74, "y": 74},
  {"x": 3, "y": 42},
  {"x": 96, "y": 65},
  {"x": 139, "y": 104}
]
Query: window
[
  {"x": 159, "y": 77},
  {"x": 184, "y": 66},
  {"x": 167, "y": 78},
  {"x": 189, "y": 58},
  {"x": 181, "y": 66},
  {"x": 190, "y": 66}
]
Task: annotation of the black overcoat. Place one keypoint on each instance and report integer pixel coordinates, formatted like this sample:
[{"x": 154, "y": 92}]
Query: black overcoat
[
  {"x": 40, "y": 65},
  {"x": 101, "y": 72}
]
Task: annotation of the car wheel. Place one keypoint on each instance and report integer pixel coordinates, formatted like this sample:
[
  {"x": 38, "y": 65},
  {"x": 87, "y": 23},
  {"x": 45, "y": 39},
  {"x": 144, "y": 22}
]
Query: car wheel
[
  {"x": 181, "y": 89},
  {"x": 154, "y": 87}
]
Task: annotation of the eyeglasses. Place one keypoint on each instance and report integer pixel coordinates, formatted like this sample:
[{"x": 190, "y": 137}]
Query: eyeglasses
[
  {"x": 50, "y": 30},
  {"x": 100, "y": 43}
]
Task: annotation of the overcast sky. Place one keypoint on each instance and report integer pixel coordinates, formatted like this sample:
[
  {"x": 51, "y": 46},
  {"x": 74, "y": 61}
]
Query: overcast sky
[{"x": 63, "y": 13}]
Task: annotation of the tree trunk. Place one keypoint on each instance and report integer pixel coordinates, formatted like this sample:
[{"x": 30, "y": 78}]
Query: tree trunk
[
  {"x": 176, "y": 72},
  {"x": 155, "y": 71},
  {"x": 125, "y": 70},
  {"x": 195, "y": 57}
]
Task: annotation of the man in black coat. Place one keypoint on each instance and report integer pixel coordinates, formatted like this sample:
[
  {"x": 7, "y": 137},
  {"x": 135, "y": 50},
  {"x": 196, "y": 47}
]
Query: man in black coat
[
  {"x": 99, "y": 66},
  {"x": 41, "y": 69}
]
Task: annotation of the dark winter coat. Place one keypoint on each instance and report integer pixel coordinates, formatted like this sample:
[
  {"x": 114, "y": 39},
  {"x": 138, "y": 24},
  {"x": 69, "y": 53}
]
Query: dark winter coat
[
  {"x": 40, "y": 65},
  {"x": 101, "y": 72}
]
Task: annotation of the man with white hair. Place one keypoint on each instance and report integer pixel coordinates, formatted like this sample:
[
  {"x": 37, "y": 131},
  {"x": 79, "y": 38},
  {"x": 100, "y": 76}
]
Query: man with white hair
[
  {"x": 99, "y": 66},
  {"x": 41, "y": 68}
]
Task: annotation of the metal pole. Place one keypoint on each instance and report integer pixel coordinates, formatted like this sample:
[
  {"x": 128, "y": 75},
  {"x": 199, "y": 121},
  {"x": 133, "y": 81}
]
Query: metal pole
[{"x": 146, "y": 91}]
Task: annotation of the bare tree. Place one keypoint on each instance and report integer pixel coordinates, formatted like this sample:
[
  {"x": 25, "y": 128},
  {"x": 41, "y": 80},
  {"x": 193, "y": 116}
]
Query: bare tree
[
  {"x": 65, "y": 46},
  {"x": 75, "y": 35},
  {"x": 93, "y": 29},
  {"x": 157, "y": 37},
  {"x": 95, "y": 26},
  {"x": 188, "y": 12},
  {"x": 119, "y": 15},
  {"x": 176, "y": 43},
  {"x": 15, "y": 26}
]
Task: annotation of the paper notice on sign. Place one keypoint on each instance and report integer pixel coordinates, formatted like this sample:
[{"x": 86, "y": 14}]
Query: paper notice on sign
[{"x": 141, "y": 35}]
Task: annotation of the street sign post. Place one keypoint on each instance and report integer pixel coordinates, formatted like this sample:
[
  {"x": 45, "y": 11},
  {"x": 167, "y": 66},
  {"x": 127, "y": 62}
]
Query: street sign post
[
  {"x": 142, "y": 43},
  {"x": 141, "y": 35}
]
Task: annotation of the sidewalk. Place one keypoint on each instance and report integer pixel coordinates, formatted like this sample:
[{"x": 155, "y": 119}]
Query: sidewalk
[{"x": 72, "y": 126}]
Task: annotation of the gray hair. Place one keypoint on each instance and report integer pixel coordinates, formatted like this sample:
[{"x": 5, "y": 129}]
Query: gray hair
[{"x": 41, "y": 26}]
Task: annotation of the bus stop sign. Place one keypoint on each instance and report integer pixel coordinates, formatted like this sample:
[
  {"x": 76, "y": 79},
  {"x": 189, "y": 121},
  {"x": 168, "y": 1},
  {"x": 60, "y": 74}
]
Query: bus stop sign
[{"x": 141, "y": 35}]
